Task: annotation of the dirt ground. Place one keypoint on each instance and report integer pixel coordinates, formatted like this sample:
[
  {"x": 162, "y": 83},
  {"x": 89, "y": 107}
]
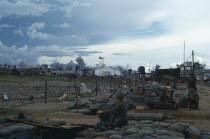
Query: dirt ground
[
  {"x": 58, "y": 110},
  {"x": 199, "y": 118}
]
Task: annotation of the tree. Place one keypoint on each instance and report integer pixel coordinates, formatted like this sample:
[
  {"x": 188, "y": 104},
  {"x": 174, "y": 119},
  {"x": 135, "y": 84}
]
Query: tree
[
  {"x": 45, "y": 66},
  {"x": 130, "y": 71},
  {"x": 5, "y": 65},
  {"x": 157, "y": 66},
  {"x": 77, "y": 68},
  {"x": 141, "y": 69}
]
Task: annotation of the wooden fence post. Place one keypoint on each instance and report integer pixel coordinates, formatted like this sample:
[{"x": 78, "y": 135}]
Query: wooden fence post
[
  {"x": 121, "y": 83},
  {"x": 45, "y": 95},
  {"x": 75, "y": 87},
  {"x": 96, "y": 87},
  {"x": 110, "y": 85}
]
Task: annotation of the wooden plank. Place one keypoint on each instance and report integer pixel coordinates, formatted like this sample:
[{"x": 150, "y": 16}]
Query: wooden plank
[{"x": 42, "y": 125}]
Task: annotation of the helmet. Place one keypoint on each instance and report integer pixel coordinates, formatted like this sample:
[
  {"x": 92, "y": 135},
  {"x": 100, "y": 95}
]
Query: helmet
[{"x": 119, "y": 94}]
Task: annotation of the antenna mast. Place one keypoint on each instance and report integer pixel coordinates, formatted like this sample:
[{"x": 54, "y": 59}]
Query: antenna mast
[{"x": 184, "y": 52}]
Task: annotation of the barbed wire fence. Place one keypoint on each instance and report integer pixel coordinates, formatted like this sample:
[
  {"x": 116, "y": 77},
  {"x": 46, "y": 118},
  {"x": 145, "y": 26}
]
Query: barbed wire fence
[{"x": 47, "y": 90}]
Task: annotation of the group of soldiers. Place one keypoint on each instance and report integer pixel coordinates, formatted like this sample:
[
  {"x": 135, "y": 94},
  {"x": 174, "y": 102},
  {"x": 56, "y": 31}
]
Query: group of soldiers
[{"x": 116, "y": 116}]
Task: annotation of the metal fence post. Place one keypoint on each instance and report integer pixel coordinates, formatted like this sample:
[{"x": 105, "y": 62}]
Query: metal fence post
[
  {"x": 96, "y": 87},
  {"x": 45, "y": 96},
  {"x": 110, "y": 85},
  {"x": 121, "y": 83},
  {"x": 75, "y": 87}
]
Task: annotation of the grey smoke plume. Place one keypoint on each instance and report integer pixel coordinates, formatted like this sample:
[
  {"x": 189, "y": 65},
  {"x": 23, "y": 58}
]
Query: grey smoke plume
[
  {"x": 80, "y": 62},
  {"x": 24, "y": 65}
]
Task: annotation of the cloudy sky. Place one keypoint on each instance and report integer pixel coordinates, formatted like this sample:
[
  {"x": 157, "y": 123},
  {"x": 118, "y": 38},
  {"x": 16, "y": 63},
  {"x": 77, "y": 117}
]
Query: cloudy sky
[{"x": 124, "y": 32}]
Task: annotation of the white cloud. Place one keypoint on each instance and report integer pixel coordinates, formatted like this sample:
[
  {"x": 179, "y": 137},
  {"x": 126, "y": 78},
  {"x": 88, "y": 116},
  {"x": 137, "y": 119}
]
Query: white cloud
[
  {"x": 19, "y": 32},
  {"x": 6, "y": 26},
  {"x": 22, "y": 8},
  {"x": 33, "y": 32},
  {"x": 70, "y": 4},
  {"x": 64, "y": 25},
  {"x": 41, "y": 54}
]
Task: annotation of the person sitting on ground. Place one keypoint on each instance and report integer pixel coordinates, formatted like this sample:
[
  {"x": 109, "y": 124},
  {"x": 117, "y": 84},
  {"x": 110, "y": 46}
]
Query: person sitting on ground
[
  {"x": 164, "y": 96},
  {"x": 193, "y": 97},
  {"x": 116, "y": 116}
]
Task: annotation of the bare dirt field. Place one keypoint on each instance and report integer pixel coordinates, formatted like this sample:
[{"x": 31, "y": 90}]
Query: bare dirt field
[{"x": 199, "y": 118}]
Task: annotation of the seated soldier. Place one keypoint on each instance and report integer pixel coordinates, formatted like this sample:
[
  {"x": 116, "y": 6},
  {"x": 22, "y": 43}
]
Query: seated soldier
[
  {"x": 164, "y": 96},
  {"x": 193, "y": 97},
  {"x": 116, "y": 116}
]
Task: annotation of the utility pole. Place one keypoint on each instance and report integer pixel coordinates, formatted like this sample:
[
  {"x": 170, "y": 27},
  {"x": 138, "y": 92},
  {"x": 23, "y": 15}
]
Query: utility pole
[
  {"x": 96, "y": 87},
  {"x": 193, "y": 67},
  {"x": 193, "y": 61},
  {"x": 184, "y": 59}
]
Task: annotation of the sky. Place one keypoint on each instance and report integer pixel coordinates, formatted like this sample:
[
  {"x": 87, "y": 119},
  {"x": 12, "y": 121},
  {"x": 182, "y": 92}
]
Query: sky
[{"x": 128, "y": 33}]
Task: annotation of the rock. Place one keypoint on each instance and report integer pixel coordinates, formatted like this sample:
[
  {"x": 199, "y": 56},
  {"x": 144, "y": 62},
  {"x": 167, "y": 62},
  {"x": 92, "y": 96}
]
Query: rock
[
  {"x": 168, "y": 137},
  {"x": 164, "y": 125},
  {"x": 16, "y": 129},
  {"x": 132, "y": 130},
  {"x": 126, "y": 127},
  {"x": 169, "y": 133},
  {"x": 179, "y": 126},
  {"x": 149, "y": 137},
  {"x": 134, "y": 136},
  {"x": 27, "y": 127},
  {"x": 146, "y": 122},
  {"x": 175, "y": 133},
  {"x": 83, "y": 111},
  {"x": 110, "y": 132},
  {"x": 161, "y": 132},
  {"x": 81, "y": 134},
  {"x": 146, "y": 132},
  {"x": 89, "y": 134},
  {"x": 147, "y": 128},
  {"x": 132, "y": 123},
  {"x": 2, "y": 120},
  {"x": 146, "y": 116},
  {"x": 193, "y": 132},
  {"x": 7, "y": 124},
  {"x": 101, "y": 138},
  {"x": 5, "y": 132},
  {"x": 204, "y": 137},
  {"x": 144, "y": 125},
  {"x": 56, "y": 122},
  {"x": 156, "y": 124},
  {"x": 117, "y": 129},
  {"x": 116, "y": 137},
  {"x": 41, "y": 121},
  {"x": 94, "y": 107}
]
